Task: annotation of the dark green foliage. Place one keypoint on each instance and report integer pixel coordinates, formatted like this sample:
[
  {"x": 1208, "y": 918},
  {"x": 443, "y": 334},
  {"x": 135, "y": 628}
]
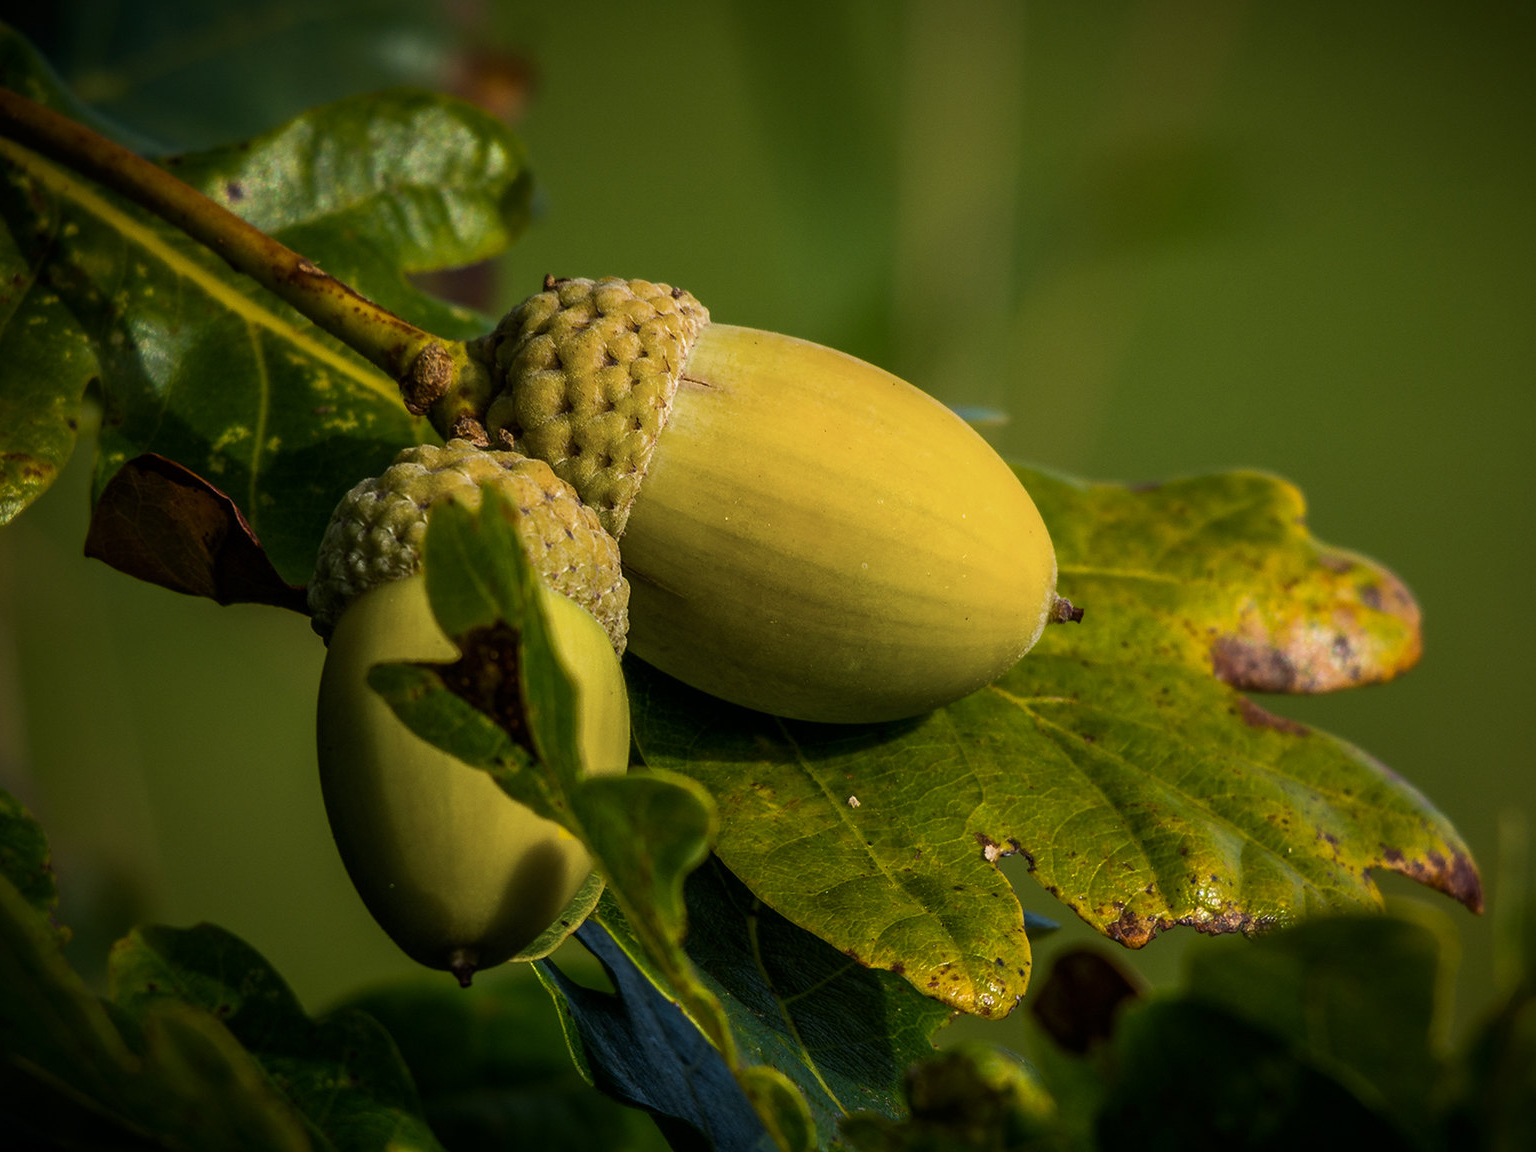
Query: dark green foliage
[
  {"x": 492, "y": 1068},
  {"x": 1323, "y": 1036},
  {"x": 640, "y": 1048}
]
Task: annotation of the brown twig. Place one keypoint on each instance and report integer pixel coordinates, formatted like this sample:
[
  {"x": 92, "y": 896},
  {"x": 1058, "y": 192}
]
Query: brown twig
[{"x": 425, "y": 366}]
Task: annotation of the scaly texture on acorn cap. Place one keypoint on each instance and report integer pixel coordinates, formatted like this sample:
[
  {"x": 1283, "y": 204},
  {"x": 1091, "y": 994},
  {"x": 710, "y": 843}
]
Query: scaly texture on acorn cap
[
  {"x": 589, "y": 370},
  {"x": 375, "y": 534}
]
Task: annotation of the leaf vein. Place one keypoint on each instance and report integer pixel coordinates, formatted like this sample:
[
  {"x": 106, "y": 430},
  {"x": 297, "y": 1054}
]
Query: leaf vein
[
  {"x": 1245, "y": 503},
  {"x": 1199, "y": 803},
  {"x": 1118, "y": 573},
  {"x": 893, "y": 879},
  {"x": 785, "y": 1013},
  {"x": 131, "y": 230},
  {"x": 263, "y": 403}
]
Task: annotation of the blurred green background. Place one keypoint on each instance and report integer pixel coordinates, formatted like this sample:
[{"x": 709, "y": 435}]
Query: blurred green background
[{"x": 1159, "y": 238}]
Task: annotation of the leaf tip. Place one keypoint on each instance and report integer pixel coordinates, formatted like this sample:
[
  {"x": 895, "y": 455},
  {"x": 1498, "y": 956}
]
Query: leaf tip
[{"x": 1454, "y": 873}]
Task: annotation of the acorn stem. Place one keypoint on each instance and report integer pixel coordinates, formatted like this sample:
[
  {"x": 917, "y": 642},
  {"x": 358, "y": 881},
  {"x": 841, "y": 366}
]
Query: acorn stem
[
  {"x": 1063, "y": 611},
  {"x": 426, "y": 367},
  {"x": 463, "y": 965}
]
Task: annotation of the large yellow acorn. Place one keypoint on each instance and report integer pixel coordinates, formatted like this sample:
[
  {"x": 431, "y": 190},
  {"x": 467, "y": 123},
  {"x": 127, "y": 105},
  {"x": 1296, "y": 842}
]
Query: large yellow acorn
[
  {"x": 803, "y": 533},
  {"x": 459, "y": 875}
]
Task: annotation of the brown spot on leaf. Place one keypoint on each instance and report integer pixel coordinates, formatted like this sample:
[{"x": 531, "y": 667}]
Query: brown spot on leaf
[
  {"x": 1018, "y": 850},
  {"x": 486, "y": 676},
  {"x": 1252, "y": 665},
  {"x": 28, "y": 468},
  {"x": 1457, "y": 876},
  {"x": 1349, "y": 622},
  {"x": 1132, "y": 930},
  {"x": 1135, "y": 931},
  {"x": 1392, "y": 596},
  {"x": 1257, "y": 717}
]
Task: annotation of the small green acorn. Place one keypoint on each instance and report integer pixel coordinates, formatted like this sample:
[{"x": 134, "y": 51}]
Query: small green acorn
[
  {"x": 458, "y": 874},
  {"x": 803, "y": 532}
]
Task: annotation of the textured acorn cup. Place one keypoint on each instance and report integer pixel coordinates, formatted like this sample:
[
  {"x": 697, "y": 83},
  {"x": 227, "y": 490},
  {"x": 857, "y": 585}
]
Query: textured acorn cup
[
  {"x": 376, "y": 531},
  {"x": 458, "y": 874},
  {"x": 804, "y": 533}
]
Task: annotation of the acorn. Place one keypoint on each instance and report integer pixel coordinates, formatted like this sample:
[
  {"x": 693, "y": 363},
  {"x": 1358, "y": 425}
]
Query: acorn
[
  {"x": 804, "y": 533},
  {"x": 458, "y": 874}
]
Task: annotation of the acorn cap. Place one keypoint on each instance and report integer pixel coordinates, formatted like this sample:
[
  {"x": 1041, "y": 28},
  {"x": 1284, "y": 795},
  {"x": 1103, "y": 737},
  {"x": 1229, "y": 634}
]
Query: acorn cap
[
  {"x": 376, "y": 532},
  {"x": 589, "y": 371}
]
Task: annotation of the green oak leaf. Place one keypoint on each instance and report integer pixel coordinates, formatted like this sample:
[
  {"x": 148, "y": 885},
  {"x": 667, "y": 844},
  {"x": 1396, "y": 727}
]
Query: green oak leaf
[
  {"x": 1144, "y": 791},
  {"x": 638, "y": 1046},
  {"x": 1203, "y": 1079},
  {"x": 1330, "y": 1034},
  {"x": 1322, "y": 1034},
  {"x": 842, "y": 1033},
  {"x": 1487, "y": 1101},
  {"x": 199, "y": 364},
  {"x": 341, "y": 1072},
  {"x": 46, "y": 359},
  {"x": 200, "y": 1045},
  {"x": 1219, "y": 574},
  {"x": 76, "y": 1071},
  {"x": 971, "y": 1096},
  {"x": 1495, "y": 1082},
  {"x": 413, "y": 182},
  {"x": 775, "y": 1093},
  {"x": 1360, "y": 997},
  {"x": 24, "y": 857},
  {"x": 199, "y": 72},
  {"x": 491, "y": 1066}
]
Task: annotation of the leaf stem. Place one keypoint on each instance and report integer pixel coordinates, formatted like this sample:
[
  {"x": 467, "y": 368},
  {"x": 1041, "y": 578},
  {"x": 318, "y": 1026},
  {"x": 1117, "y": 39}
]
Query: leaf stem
[{"x": 426, "y": 366}]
